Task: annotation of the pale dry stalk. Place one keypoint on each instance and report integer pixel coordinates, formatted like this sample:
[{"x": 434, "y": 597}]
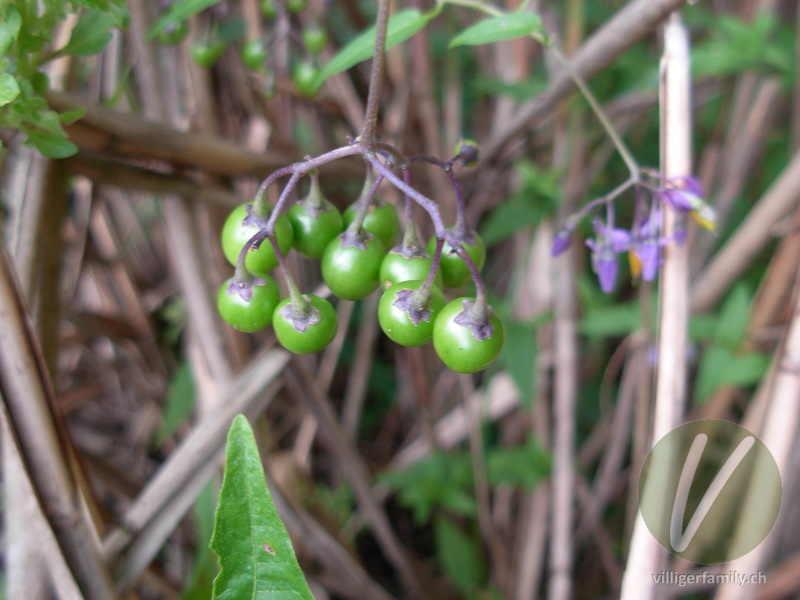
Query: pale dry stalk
[{"x": 646, "y": 555}]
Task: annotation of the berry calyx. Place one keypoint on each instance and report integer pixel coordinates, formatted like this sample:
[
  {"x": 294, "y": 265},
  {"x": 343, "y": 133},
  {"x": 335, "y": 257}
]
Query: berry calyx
[
  {"x": 456, "y": 272},
  {"x": 315, "y": 222},
  {"x": 248, "y": 303},
  {"x": 407, "y": 312},
  {"x": 467, "y": 335},
  {"x": 351, "y": 264},
  {"x": 241, "y": 225},
  {"x": 381, "y": 220},
  {"x": 305, "y": 326}
]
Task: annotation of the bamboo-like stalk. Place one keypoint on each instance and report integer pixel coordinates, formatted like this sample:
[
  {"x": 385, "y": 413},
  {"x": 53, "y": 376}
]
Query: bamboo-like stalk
[
  {"x": 27, "y": 395},
  {"x": 646, "y": 555},
  {"x": 779, "y": 433}
]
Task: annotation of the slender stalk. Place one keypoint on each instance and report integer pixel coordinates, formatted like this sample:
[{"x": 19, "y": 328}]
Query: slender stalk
[
  {"x": 300, "y": 304},
  {"x": 611, "y": 131},
  {"x": 646, "y": 556},
  {"x": 364, "y": 202},
  {"x": 367, "y": 135},
  {"x": 426, "y": 203},
  {"x": 299, "y": 168}
]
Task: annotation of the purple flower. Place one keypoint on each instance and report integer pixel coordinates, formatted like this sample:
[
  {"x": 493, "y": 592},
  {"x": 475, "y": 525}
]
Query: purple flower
[
  {"x": 649, "y": 254},
  {"x": 675, "y": 199},
  {"x": 618, "y": 239},
  {"x": 604, "y": 263},
  {"x": 561, "y": 241},
  {"x": 609, "y": 242},
  {"x": 683, "y": 194}
]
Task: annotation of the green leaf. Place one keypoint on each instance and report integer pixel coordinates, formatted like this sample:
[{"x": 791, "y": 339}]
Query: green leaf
[
  {"x": 51, "y": 145},
  {"x": 460, "y": 555},
  {"x": 401, "y": 27},
  {"x": 535, "y": 199},
  {"x": 720, "y": 366},
  {"x": 522, "y": 466},
  {"x": 498, "y": 29},
  {"x": 9, "y": 29},
  {"x": 180, "y": 402},
  {"x": 256, "y": 557},
  {"x": 180, "y": 11},
  {"x": 519, "y": 358},
  {"x": 68, "y": 117},
  {"x": 613, "y": 320},
  {"x": 90, "y": 35},
  {"x": 441, "y": 480},
  {"x": 200, "y": 582},
  {"x": 9, "y": 88},
  {"x": 731, "y": 324}
]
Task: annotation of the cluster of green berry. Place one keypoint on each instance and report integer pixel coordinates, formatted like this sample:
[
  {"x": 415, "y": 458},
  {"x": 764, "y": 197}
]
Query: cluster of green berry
[
  {"x": 255, "y": 53},
  {"x": 359, "y": 252}
]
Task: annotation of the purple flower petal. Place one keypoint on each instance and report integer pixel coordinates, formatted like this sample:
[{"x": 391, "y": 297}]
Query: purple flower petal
[
  {"x": 618, "y": 239},
  {"x": 649, "y": 254},
  {"x": 691, "y": 185},
  {"x": 561, "y": 241},
  {"x": 605, "y": 266},
  {"x": 676, "y": 199}
]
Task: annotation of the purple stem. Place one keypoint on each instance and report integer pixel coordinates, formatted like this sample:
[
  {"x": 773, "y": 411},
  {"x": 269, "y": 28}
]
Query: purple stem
[
  {"x": 300, "y": 168},
  {"x": 461, "y": 228},
  {"x": 480, "y": 289},
  {"x": 429, "y": 205},
  {"x": 296, "y": 297}
]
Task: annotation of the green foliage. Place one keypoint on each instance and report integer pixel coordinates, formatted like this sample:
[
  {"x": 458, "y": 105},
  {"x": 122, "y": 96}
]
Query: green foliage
[
  {"x": 460, "y": 555},
  {"x": 180, "y": 11},
  {"x": 519, "y": 358},
  {"x": 441, "y": 480},
  {"x": 401, "y": 27},
  {"x": 610, "y": 320},
  {"x": 180, "y": 402},
  {"x": 201, "y": 578},
  {"x": 444, "y": 480},
  {"x": 734, "y": 46},
  {"x": 91, "y": 34},
  {"x": 536, "y": 198},
  {"x": 723, "y": 362},
  {"x": 255, "y": 553},
  {"x": 502, "y": 28},
  {"x": 26, "y": 33},
  {"x": 524, "y": 466}
]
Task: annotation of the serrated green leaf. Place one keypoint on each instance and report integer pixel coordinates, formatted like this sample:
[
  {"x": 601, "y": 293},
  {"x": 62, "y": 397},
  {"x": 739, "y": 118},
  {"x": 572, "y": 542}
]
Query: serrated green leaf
[
  {"x": 9, "y": 29},
  {"x": 401, "y": 27},
  {"x": 9, "y": 88},
  {"x": 180, "y": 11},
  {"x": 256, "y": 557},
  {"x": 498, "y": 29},
  {"x": 90, "y": 35},
  {"x": 460, "y": 555},
  {"x": 51, "y": 145}
]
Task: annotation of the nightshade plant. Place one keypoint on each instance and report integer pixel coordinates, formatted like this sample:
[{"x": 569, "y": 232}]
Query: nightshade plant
[{"x": 257, "y": 236}]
